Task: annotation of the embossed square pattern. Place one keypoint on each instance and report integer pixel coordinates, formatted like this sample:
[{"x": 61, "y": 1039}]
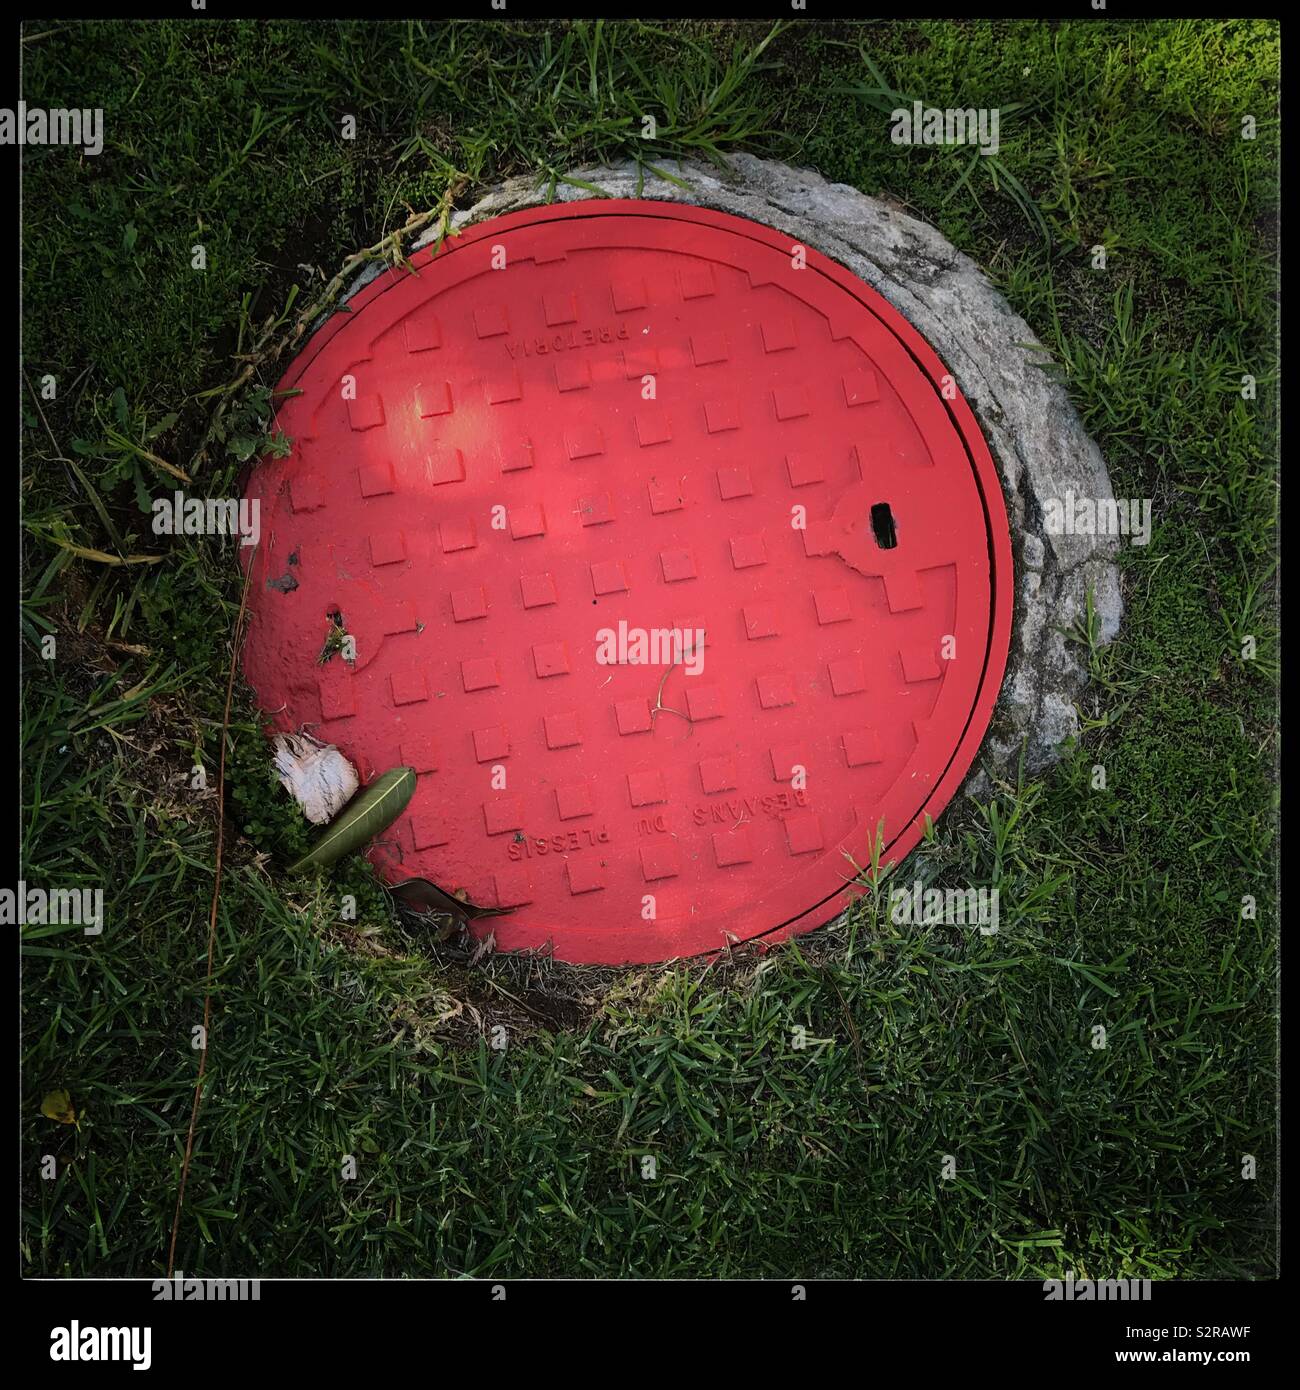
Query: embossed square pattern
[{"x": 668, "y": 563}]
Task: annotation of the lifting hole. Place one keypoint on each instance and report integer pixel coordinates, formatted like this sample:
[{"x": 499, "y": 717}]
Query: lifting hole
[{"x": 882, "y": 526}]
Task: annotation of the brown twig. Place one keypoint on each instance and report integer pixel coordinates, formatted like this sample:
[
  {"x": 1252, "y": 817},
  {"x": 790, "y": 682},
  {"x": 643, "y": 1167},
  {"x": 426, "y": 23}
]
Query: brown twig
[
  {"x": 660, "y": 708},
  {"x": 212, "y": 915}
]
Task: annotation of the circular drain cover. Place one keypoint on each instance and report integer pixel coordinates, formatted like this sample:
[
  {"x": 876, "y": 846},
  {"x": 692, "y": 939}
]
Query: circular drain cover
[{"x": 667, "y": 555}]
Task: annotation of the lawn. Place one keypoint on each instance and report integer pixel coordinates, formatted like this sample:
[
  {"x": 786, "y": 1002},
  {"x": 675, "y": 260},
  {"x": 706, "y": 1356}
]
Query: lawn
[{"x": 1122, "y": 907}]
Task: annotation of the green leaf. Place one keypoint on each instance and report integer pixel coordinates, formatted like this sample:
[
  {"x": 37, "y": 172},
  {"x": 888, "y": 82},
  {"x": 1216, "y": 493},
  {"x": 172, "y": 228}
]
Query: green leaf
[
  {"x": 365, "y": 816},
  {"x": 163, "y": 425}
]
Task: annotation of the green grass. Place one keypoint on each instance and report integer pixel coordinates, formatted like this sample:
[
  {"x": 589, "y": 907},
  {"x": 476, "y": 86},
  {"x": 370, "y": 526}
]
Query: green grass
[{"x": 1121, "y": 907}]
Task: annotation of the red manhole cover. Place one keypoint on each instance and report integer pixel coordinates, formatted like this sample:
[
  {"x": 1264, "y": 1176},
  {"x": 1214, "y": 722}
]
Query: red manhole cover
[{"x": 592, "y": 431}]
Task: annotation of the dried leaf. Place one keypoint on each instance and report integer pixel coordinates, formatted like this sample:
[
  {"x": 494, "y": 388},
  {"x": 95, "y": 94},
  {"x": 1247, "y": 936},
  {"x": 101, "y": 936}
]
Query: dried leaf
[
  {"x": 101, "y": 557},
  {"x": 58, "y": 1106}
]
